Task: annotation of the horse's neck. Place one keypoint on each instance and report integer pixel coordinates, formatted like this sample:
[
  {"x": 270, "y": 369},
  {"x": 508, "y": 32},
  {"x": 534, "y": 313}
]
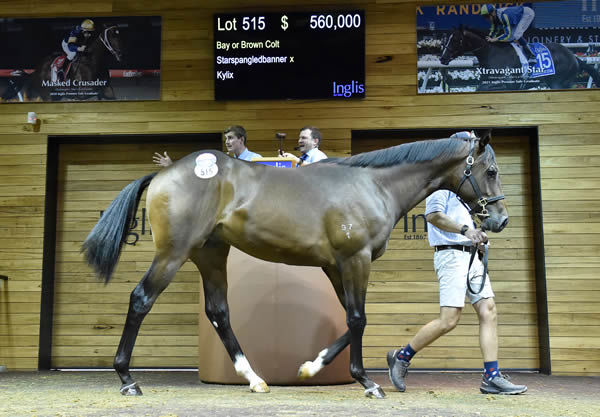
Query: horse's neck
[
  {"x": 410, "y": 183},
  {"x": 97, "y": 49},
  {"x": 479, "y": 47}
]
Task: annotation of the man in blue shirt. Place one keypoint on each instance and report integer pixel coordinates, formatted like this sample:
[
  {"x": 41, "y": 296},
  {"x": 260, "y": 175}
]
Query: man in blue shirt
[
  {"x": 452, "y": 233},
  {"x": 235, "y": 142},
  {"x": 509, "y": 24},
  {"x": 309, "y": 140}
]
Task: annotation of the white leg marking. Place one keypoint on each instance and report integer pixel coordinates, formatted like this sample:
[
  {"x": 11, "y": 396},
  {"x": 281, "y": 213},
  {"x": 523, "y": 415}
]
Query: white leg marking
[
  {"x": 310, "y": 369},
  {"x": 243, "y": 368},
  {"x": 215, "y": 324}
]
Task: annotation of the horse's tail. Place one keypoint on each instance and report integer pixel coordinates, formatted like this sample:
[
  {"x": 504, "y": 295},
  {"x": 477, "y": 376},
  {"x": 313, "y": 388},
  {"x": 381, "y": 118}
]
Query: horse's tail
[
  {"x": 593, "y": 72},
  {"x": 103, "y": 245}
]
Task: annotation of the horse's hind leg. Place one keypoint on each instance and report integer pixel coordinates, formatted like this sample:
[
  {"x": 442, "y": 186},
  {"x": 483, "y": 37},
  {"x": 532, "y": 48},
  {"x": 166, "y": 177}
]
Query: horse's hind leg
[
  {"x": 211, "y": 261},
  {"x": 156, "y": 279},
  {"x": 326, "y": 356},
  {"x": 355, "y": 275}
]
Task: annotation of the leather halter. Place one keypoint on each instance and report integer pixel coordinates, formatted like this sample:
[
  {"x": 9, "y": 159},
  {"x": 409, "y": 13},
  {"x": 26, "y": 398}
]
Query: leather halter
[
  {"x": 461, "y": 47},
  {"x": 482, "y": 202},
  {"x": 106, "y": 42}
]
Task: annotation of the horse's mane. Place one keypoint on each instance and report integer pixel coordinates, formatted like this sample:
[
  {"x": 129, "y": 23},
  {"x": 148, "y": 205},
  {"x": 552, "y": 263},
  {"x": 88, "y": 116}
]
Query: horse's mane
[
  {"x": 476, "y": 31},
  {"x": 482, "y": 34},
  {"x": 422, "y": 151}
]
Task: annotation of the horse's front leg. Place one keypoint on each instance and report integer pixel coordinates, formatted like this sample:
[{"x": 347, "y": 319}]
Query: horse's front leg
[
  {"x": 142, "y": 298},
  {"x": 326, "y": 356},
  {"x": 355, "y": 275},
  {"x": 310, "y": 368},
  {"x": 212, "y": 264}
]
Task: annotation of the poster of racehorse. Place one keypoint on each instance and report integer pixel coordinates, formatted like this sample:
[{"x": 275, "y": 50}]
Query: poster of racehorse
[
  {"x": 80, "y": 59},
  {"x": 508, "y": 46}
]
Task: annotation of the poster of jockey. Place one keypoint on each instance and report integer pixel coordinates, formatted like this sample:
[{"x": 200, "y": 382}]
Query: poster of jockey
[
  {"x": 80, "y": 59},
  {"x": 552, "y": 45}
]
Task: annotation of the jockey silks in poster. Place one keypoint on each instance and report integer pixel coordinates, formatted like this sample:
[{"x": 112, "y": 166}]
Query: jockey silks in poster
[
  {"x": 80, "y": 58},
  {"x": 508, "y": 46}
]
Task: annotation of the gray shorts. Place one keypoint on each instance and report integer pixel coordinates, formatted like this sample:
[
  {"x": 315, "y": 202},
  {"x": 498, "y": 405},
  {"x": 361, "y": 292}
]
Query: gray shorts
[{"x": 451, "y": 268}]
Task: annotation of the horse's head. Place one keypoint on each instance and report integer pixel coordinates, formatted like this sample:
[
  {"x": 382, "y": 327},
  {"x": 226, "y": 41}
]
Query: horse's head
[
  {"x": 454, "y": 46},
  {"x": 110, "y": 36},
  {"x": 461, "y": 40},
  {"x": 477, "y": 183}
]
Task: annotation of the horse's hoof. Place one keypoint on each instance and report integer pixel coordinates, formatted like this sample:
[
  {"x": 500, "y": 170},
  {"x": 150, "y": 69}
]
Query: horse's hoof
[
  {"x": 304, "y": 371},
  {"x": 131, "y": 389},
  {"x": 261, "y": 387},
  {"x": 375, "y": 392}
]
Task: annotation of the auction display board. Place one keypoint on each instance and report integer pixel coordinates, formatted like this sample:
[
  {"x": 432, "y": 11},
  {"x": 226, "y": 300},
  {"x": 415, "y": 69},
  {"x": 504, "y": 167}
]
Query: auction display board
[{"x": 295, "y": 55}]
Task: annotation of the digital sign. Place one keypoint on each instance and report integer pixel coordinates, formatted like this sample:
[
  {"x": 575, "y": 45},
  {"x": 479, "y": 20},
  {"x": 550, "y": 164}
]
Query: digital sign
[{"x": 295, "y": 55}]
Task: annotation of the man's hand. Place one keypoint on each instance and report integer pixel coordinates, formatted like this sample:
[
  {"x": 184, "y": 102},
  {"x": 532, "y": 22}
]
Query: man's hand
[
  {"x": 81, "y": 48},
  {"x": 289, "y": 155},
  {"x": 160, "y": 160},
  {"x": 487, "y": 38},
  {"x": 478, "y": 237},
  {"x": 444, "y": 222}
]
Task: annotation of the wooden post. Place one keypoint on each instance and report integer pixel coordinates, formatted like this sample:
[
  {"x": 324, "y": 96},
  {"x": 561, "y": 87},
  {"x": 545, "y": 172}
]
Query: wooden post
[{"x": 2, "y": 278}]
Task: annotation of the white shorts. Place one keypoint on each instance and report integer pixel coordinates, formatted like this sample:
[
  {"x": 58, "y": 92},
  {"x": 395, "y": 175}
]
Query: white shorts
[{"x": 451, "y": 268}]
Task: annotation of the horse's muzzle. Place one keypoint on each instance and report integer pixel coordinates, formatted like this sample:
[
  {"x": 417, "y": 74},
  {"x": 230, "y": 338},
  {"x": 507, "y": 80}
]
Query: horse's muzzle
[{"x": 495, "y": 224}]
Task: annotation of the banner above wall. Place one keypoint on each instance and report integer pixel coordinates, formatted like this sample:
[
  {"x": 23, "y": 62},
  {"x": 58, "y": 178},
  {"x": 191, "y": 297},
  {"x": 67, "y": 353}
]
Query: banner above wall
[
  {"x": 82, "y": 58},
  {"x": 508, "y": 46}
]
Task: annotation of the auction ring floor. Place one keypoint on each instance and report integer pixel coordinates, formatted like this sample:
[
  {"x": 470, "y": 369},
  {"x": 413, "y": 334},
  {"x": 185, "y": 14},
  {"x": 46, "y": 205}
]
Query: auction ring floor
[{"x": 179, "y": 393}]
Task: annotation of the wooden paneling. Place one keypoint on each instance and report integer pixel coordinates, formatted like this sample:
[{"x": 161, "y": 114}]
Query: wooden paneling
[
  {"x": 92, "y": 175},
  {"x": 569, "y": 158}
]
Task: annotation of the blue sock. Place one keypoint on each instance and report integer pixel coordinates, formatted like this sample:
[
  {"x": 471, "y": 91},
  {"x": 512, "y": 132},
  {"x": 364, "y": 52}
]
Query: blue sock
[
  {"x": 491, "y": 369},
  {"x": 406, "y": 353}
]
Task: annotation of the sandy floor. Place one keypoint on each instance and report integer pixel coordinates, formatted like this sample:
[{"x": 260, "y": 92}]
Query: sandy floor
[{"x": 182, "y": 394}]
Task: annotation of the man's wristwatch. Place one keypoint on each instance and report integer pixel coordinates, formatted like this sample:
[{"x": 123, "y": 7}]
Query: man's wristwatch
[{"x": 464, "y": 229}]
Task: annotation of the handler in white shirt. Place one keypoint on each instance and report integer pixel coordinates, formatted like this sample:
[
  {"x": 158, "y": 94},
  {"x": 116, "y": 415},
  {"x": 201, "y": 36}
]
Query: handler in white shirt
[{"x": 452, "y": 233}]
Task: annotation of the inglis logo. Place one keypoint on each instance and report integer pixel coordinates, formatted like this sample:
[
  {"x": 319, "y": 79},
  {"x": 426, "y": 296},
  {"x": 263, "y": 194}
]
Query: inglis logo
[{"x": 347, "y": 90}]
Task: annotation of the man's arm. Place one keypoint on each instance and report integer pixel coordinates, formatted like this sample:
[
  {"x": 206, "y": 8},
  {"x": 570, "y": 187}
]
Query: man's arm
[
  {"x": 507, "y": 35},
  {"x": 444, "y": 222},
  {"x": 299, "y": 162}
]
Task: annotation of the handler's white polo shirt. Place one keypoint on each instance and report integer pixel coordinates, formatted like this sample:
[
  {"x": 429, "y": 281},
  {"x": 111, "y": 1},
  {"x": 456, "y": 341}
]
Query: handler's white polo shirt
[{"x": 447, "y": 202}]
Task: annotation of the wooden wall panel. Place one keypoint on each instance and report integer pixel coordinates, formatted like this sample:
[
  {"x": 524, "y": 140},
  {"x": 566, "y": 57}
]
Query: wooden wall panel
[
  {"x": 22, "y": 190},
  {"x": 570, "y": 169},
  {"x": 86, "y": 330}
]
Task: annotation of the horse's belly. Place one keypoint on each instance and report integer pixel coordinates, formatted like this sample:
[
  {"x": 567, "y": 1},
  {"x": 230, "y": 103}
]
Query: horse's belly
[
  {"x": 276, "y": 246},
  {"x": 282, "y": 255}
]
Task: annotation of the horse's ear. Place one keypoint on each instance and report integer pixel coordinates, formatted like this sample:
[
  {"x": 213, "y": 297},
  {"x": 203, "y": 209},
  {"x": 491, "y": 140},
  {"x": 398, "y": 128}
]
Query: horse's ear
[{"x": 484, "y": 138}]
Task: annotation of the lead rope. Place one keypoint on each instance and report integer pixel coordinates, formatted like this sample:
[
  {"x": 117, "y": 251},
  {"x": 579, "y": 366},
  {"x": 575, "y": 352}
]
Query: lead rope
[
  {"x": 484, "y": 261},
  {"x": 482, "y": 202}
]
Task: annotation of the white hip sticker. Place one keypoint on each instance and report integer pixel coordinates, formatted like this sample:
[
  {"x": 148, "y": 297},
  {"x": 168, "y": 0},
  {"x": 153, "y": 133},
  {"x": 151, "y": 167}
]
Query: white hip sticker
[{"x": 206, "y": 165}]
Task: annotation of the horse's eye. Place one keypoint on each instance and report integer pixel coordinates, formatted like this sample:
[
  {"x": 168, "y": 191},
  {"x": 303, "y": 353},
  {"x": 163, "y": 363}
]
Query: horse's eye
[{"x": 492, "y": 173}]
